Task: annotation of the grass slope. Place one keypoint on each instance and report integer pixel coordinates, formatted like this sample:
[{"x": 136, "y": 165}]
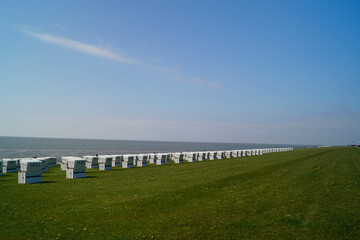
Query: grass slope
[{"x": 304, "y": 194}]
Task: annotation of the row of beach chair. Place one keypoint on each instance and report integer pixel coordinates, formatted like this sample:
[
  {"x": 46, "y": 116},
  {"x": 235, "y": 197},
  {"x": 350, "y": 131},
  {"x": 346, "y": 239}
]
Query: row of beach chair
[{"x": 30, "y": 169}]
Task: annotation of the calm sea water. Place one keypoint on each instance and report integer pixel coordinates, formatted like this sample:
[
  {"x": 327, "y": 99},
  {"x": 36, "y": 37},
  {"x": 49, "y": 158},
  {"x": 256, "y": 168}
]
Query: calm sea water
[{"x": 13, "y": 147}]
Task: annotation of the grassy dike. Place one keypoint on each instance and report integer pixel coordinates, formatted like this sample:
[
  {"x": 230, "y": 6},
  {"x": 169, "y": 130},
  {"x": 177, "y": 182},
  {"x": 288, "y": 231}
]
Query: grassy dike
[{"x": 304, "y": 194}]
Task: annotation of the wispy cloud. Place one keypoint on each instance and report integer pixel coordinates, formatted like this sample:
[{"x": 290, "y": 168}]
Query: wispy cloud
[
  {"x": 81, "y": 47},
  {"x": 195, "y": 81},
  {"x": 332, "y": 128},
  {"x": 174, "y": 74},
  {"x": 103, "y": 52}
]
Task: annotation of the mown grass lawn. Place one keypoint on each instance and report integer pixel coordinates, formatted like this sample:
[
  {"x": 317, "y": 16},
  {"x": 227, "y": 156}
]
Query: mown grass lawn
[{"x": 304, "y": 194}]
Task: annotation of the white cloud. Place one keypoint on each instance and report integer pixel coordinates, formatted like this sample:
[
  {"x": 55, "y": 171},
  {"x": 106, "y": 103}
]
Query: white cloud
[
  {"x": 98, "y": 51},
  {"x": 174, "y": 74},
  {"x": 81, "y": 47}
]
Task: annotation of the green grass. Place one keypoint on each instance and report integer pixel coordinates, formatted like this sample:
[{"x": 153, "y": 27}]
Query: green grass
[{"x": 304, "y": 194}]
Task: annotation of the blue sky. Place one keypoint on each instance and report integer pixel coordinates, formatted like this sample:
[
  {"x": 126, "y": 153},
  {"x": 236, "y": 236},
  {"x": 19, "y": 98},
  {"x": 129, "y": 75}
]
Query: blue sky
[{"x": 217, "y": 71}]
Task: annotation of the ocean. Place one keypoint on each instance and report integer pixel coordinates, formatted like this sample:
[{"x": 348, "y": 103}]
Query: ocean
[{"x": 22, "y": 147}]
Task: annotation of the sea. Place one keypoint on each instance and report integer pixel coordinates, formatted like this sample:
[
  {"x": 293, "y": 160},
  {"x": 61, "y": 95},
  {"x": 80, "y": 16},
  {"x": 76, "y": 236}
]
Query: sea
[{"x": 23, "y": 147}]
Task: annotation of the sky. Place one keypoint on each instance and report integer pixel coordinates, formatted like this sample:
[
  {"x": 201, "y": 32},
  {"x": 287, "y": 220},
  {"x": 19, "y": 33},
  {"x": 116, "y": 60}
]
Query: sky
[{"x": 254, "y": 71}]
